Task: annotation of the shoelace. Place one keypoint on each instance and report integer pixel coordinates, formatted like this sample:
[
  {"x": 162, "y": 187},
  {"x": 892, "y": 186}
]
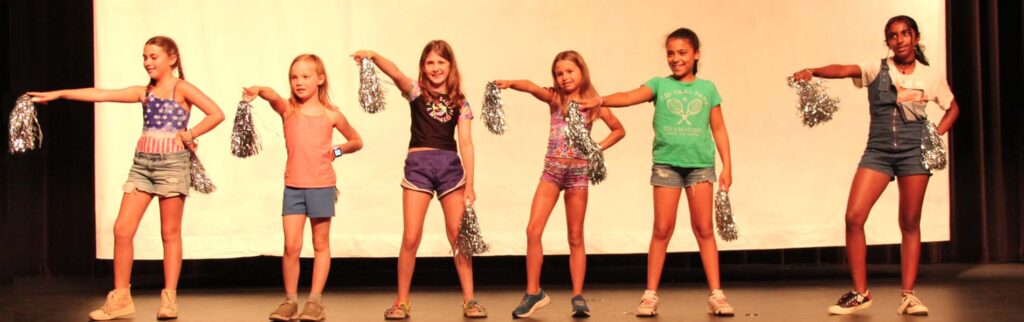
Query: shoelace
[
  {"x": 912, "y": 300},
  {"x": 107, "y": 307},
  {"x": 648, "y": 301}
]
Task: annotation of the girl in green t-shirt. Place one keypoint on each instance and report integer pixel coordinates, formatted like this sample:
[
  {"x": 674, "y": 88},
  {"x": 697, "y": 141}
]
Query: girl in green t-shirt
[{"x": 688, "y": 126}]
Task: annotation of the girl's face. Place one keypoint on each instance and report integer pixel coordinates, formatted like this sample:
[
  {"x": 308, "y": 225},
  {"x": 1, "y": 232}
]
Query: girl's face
[
  {"x": 304, "y": 80},
  {"x": 568, "y": 76},
  {"x": 681, "y": 57},
  {"x": 902, "y": 40},
  {"x": 156, "y": 61},
  {"x": 436, "y": 68}
]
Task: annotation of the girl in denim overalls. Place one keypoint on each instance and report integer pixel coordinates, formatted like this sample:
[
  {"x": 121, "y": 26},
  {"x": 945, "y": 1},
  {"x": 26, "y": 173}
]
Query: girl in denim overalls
[
  {"x": 160, "y": 169},
  {"x": 899, "y": 88}
]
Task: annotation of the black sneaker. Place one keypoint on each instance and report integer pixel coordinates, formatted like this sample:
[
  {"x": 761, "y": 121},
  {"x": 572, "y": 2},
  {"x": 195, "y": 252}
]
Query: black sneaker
[
  {"x": 851, "y": 302},
  {"x": 579, "y": 307}
]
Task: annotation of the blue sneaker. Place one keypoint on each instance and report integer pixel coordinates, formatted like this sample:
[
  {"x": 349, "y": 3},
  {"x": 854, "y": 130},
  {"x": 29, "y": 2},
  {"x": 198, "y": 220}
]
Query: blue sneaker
[
  {"x": 579, "y": 307},
  {"x": 530, "y": 303}
]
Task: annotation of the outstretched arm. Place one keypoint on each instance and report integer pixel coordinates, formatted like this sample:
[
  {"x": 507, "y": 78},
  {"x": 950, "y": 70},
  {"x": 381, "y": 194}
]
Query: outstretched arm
[
  {"x": 389, "y": 68},
  {"x": 621, "y": 99},
  {"x": 830, "y": 71},
  {"x": 522, "y": 85},
  {"x": 279, "y": 104},
  {"x": 132, "y": 94}
]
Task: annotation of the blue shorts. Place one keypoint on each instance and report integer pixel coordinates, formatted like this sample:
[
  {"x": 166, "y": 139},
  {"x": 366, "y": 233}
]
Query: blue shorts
[
  {"x": 894, "y": 162},
  {"x": 312, "y": 202},
  {"x": 664, "y": 175}
]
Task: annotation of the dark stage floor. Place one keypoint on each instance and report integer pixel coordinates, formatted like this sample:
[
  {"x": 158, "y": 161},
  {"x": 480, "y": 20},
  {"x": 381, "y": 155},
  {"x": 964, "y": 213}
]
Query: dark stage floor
[{"x": 952, "y": 292}]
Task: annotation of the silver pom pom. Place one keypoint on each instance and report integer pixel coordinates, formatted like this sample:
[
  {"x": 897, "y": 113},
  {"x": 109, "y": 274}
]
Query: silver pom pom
[
  {"x": 494, "y": 114},
  {"x": 244, "y": 140},
  {"x": 23, "y": 130},
  {"x": 933, "y": 149},
  {"x": 723, "y": 217},
  {"x": 469, "y": 242},
  {"x": 578, "y": 137},
  {"x": 371, "y": 93},
  {"x": 200, "y": 181},
  {"x": 815, "y": 106}
]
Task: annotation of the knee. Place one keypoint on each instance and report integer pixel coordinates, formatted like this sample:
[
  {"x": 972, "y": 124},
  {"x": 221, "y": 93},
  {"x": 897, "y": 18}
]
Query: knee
[
  {"x": 122, "y": 233},
  {"x": 703, "y": 232},
  {"x": 292, "y": 249},
  {"x": 575, "y": 238},
  {"x": 321, "y": 245},
  {"x": 534, "y": 233},
  {"x": 910, "y": 224},
  {"x": 411, "y": 242},
  {"x": 662, "y": 232},
  {"x": 855, "y": 220},
  {"x": 170, "y": 234}
]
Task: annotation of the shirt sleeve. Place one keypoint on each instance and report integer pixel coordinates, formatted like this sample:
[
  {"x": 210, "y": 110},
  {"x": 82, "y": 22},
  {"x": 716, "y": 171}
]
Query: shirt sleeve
[
  {"x": 653, "y": 84},
  {"x": 714, "y": 97},
  {"x": 868, "y": 72},
  {"x": 466, "y": 112},
  {"x": 943, "y": 96},
  {"x": 414, "y": 92}
]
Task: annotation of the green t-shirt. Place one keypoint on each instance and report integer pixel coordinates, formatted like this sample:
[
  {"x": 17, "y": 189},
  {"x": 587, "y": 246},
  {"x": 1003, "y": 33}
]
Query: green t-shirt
[{"x": 682, "y": 130}]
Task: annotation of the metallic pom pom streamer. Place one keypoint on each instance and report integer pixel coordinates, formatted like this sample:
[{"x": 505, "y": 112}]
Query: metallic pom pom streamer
[
  {"x": 469, "y": 242},
  {"x": 23, "y": 130},
  {"x": 723, "y": 217},
  {"x": 933, "y": 149},
  {"x": 200, "y": 181},
  {"x": 245, "y": 142},
  {"x": 371, "y": 93},
  {"x": 578, "y": 137},
  {"x": 815, "y": 106},
  {"x": 494, "y": 114}
]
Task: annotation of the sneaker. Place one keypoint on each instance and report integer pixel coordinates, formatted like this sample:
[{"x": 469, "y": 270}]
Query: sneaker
[
  {"x": 287, "y": 311},
  {"x": 168, "y": 305},
  {"x": 398, "y": 311},
  {"x": 910, "y": 304},
  {"x": 119, "y": 304},
  {"x": 851, "y": 302},
  {"x": 313, "y": 311},
  {"x": 717, "y": 304},
  {"x": 648, "y": 304},
  {"x": 473, "y": 310},
  {"x": 530, "y": 304},
  {"x": 579, "y": 307}
]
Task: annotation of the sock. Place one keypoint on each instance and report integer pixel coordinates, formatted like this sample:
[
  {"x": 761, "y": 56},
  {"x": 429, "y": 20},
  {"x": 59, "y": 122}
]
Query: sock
[
  {"x": 314, "y": 297},
  {"x": 293, "y": 297}
]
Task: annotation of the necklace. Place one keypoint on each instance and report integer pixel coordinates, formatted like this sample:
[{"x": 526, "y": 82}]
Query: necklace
[{"x": 904, "y": 67}]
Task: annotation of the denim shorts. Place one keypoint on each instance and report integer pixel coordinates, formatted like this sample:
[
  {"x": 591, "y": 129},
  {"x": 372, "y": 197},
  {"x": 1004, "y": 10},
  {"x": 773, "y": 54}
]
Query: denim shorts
[
  {"x": 664, "y": 175},
  {"x": 161, "y": 174},
  {"x": 433, "y": 171},
  {"x": 312, "y": 202},
  {"x": 566, "y": 173},
  {"x": 894, "y": 162}
]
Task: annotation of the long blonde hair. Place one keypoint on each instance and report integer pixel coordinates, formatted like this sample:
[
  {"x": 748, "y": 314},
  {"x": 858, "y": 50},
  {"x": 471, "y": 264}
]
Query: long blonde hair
[
  {"x": 586, "y": 89},
  {"x": 322, "y": 94},
  {"x": 454, "y": 83}
]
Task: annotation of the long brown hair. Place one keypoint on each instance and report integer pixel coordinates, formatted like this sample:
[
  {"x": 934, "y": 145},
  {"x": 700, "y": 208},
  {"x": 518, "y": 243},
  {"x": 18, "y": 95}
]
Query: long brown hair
[
  {"x": 586, "y": 89},
  {"x": 454, "y": 83},
  {"x": 169, "y": 47},
  {"x": 322, "y": 94}
]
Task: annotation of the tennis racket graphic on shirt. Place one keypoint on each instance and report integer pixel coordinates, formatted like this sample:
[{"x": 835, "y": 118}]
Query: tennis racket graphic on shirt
[{"x": 676, "y": 107}]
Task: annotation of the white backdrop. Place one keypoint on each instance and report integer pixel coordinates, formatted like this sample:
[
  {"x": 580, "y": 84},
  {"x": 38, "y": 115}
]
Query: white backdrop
[{"x": 790, "y": 182}]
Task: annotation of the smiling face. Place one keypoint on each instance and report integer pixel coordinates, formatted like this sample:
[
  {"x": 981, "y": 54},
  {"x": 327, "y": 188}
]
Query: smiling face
[
  {"x": 681, "y": 57},
  {"x": 304, "y": 79},
  {"x": 436, "y": 69},
  {"x": 902, "y": 40},
  {"x": 568, "y": 77},
  {"x": 157, "y": 62}
]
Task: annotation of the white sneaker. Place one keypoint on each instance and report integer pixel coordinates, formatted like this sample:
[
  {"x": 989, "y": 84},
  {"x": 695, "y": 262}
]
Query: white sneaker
[
  {"x": 648, "y": 304},
  {"x": 718, "y": 305},
  {"x": 119, "y": 304},
  {"x": 910, "y": 304}
]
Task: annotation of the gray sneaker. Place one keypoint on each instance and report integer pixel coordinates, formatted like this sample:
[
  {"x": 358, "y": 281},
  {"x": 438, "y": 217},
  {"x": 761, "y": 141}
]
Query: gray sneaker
[
  {"x": 579, "y": 307},
  {"x": 313, "y": 311},
  {"x": 530, "y": 304},
  {"x": 287, "y": 311}
]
